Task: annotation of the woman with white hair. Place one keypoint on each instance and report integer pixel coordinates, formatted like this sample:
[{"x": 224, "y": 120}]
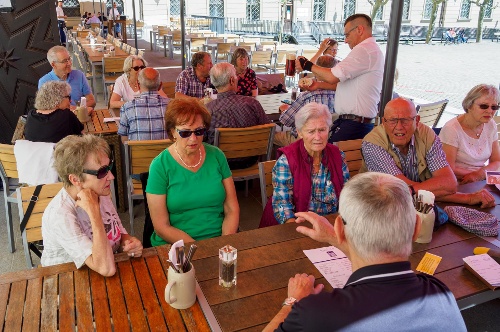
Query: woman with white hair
[
  {"x": 52, "y": 120},
  {"x": 309, "y": 173},
  {"x": 470, "y": 140}
]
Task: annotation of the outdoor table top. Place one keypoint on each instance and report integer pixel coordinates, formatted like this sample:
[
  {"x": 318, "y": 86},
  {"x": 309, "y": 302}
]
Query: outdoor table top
[
  {"x": 96, "y": 56},
  {"x": 271, "y": 103},
  {"x": 97, "y": 125}
]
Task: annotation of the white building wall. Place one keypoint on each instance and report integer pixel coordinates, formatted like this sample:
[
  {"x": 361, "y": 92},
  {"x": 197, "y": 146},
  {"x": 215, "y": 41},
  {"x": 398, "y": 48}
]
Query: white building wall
[
  {"x": 235, "y": 8},
  {"x": 269, "y": 10}
]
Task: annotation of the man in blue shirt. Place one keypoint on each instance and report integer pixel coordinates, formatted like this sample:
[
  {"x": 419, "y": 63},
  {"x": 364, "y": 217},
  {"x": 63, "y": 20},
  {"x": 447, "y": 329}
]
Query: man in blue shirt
[{"x": 60, "y": 60}]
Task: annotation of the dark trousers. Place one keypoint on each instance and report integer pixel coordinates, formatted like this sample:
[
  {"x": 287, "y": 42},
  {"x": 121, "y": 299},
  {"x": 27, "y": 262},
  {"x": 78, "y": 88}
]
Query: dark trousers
[
  {"x": 62, "y": 35},
  {"x": 345, "y": 130}
]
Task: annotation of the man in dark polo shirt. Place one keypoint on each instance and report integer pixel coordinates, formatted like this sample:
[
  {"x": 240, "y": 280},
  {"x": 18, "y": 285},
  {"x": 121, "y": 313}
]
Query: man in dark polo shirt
[{"x": 375, "y": 228}]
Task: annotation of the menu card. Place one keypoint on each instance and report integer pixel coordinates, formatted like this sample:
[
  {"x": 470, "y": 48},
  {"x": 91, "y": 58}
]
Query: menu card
[
  {"x": 485, "y": 268},
  {"x": 492, "y": 177},
  {"x": 332, "y": 263}
]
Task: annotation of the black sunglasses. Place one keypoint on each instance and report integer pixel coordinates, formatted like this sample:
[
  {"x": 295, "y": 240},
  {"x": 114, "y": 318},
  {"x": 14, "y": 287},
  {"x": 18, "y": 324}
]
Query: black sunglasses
[
  {"x": 101, "y": 172},
  {"x": 486, "y": 106},
  {"x": 136, "y": 68},
  {"x": 188, "y": 133},
  {"x": 68, "y": 96}
]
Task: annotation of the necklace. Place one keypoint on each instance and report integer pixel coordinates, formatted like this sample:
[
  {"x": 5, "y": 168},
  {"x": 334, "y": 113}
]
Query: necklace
[
  {"x": 466, "y": 125},
  {"x": 197, "y": 164},
  {"x": 134, "y": 85}
]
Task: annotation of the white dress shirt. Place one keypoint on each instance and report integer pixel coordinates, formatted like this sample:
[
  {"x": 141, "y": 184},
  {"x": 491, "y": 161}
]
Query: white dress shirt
[
  {"x": 116, "y": 13},
  {"x": 360, "y": 75}
]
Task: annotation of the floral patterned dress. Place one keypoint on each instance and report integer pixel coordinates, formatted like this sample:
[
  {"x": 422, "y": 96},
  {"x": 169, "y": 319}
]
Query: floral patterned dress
[{"x": 247, "y": 83}]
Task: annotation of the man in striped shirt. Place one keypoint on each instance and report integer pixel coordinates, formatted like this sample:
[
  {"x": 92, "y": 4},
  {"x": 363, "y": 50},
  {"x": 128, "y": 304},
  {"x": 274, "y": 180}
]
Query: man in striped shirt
[
  {"x": 411, "y": 151},
  {"x": 144, "y": 117}
]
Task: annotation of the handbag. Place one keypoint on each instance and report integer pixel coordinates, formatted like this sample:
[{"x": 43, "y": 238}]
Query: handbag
[{"x": 19, "y": 130}]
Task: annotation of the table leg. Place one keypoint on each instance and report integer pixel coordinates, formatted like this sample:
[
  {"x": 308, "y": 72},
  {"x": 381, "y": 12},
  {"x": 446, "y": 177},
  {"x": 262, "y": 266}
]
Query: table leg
[
  {"x": 165, "y": 46},
  {"x": 171, "y": 47},
  {"x": 94, "y": 80},
  {"x": 151, "y": 39}
]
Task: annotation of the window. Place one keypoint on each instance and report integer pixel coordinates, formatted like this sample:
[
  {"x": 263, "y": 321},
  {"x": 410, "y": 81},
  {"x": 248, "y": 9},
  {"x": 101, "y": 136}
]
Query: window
[
  {"x": 406, "y": 9},
  {"x": 465, "y": 9},
  {"x": 216, "y": 8},
  {"x": 253, "y": 9},
  {"x": 349, "y": 8},
  {"x": 380, "y": 13},
  {"x": 426, "y": 15},
  {"x": 175, "y": 7},
  {"x": 319, "y": 10},
  {"x": 488, "y": 9}
]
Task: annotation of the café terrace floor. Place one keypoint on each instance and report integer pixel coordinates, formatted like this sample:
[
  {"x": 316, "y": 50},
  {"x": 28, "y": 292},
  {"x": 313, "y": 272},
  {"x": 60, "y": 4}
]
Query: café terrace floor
[{"x": 483, "y": 317}]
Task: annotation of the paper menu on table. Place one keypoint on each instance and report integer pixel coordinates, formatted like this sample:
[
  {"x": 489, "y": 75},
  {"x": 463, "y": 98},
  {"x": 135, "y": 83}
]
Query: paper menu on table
[
  {"x": 485, "y": 268},
  {"x": 332, "y": 263}
]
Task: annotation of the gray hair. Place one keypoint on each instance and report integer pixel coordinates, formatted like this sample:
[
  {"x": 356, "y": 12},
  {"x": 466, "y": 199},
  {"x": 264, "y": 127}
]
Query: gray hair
[
  {"x": 239, "y": 53},
  {"x": 127, "y": 64},
  {"x": 149, "y": 78},
  {"x": 312, "y": 111},
  {"x": 379, "y": 215},
  {"x": 221, "y": 73},
  {"x": 198, "y": 58},
  {"x": 50, "y": 95},
  {"x": 51, "y": 53},
  {"x": 326, "y": 61},
  {"x": 71, "y": 153},
  {"x": 477, "y": 92}
]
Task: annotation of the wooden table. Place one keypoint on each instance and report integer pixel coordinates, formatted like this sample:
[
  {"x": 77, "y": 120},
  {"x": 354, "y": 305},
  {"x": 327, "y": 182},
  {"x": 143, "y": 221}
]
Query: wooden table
[
  {"x": 268, "y": 257},
  {"x": 108, "y": 131},
  {"x": 63, "y": 298}
]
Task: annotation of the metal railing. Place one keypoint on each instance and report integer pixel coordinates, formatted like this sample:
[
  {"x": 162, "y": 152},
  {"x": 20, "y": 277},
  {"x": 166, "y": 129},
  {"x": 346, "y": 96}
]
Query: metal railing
[{"x": 256, "y": 27}]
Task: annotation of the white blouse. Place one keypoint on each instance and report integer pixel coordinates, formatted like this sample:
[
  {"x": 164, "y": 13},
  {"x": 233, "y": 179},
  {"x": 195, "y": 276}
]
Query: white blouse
[{"x": 124, "y": 90}]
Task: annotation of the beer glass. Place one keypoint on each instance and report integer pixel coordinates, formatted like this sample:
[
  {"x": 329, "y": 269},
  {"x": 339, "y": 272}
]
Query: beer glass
[{"x": 290, "y": 65}]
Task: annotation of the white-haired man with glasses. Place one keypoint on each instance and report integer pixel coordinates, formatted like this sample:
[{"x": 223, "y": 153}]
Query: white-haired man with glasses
[
  {"x": 61, "y": 62},
  {"x": 375, "y": 229},
  {"x": 411, "y": 151}
]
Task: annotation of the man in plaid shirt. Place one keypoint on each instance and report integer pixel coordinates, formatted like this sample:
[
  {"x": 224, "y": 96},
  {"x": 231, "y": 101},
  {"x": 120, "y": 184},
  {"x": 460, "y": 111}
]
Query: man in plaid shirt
[
  {"x": 144, "y": 117},
  {"x": 287, "y": 117},
  {"x": 193, "y": 81}
]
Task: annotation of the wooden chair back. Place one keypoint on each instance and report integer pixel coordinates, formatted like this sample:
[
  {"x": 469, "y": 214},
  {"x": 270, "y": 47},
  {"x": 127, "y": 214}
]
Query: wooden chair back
[
  {"x": 163, "y": 31},
  {"x": 353, "y": 156},
  {"x": 8, "y": 165},
  {"x": 213, "y": 40},
  {"x": 281, "y": 59},
  {"x": 112, "y": 64},
  {"x": 223, "y": 50},
  {"x": 432, "y": 112},
  {"x": 197, "y": 44},
  {"x": 245, "y": 45},
  {"x": 266, "y": 180},
  {"x": 138, "y": 157},
  {"x": 168, "y": 88},
  {"x": 33, "y": 230},
  {"x": 261, "y": 60},
  {"x": 94, "y": 26}
]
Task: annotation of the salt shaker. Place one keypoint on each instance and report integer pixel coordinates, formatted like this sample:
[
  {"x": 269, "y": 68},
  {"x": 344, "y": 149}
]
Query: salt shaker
[{"x": 227, "y": 266}]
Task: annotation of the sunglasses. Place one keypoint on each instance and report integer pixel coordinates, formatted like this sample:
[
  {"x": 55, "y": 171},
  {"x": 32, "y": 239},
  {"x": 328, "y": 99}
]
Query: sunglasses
[
  {"x": 68, "y": 96},
  {"x": 101, "y": 172},
  {"x": 136, "y": 68},
  {"x": 188, "y": 133},
  {"x": 486, "y": 106}
]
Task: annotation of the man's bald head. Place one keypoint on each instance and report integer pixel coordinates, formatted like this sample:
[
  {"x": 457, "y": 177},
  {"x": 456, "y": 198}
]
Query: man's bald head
[
  {"x": 400, "y": 105},
  {"x": 149, "y": 79}
]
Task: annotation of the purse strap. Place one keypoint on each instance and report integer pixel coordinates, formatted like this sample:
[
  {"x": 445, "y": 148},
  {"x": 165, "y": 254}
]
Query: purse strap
[{"x": 31, "y": 205}]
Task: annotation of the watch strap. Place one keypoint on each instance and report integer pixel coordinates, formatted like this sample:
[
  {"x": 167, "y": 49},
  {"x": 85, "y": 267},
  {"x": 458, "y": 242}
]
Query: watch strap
[{"x": 289, "y": 301}]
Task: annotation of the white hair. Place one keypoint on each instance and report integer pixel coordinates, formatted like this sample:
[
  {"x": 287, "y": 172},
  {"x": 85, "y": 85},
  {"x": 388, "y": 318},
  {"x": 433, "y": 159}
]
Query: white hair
[
  {"x": 379, "y": 215},
  {"x": 312, "y": 111}
]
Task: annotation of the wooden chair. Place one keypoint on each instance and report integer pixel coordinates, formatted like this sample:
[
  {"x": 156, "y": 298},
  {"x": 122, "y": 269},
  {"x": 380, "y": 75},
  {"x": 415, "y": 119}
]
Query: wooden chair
[
  {"x": 95, "y": 26},
  {"x": 132, "y": 50},
  {"x": 261, "y": 61},
  {"x": 309, "y": 53},
  {"x": 112, "y": 68},
  {"x": 266, "y": 180},
  {"x": 197, "y": 44},
  {"x": 431, "y": 113},
  {"x": 223, "y": 51},
  {"x": 168, "y": 88},
  {"x": 9, "y": 176},
  {"x": 33, "y": 230},
  {"x": 268, "y": 46},
  {"x": 353, "y": 156},
  {"x": 138, "y": 157},
  {"x": 85, "y": 67},
  {"x": 246, "y": 142},
  {"x": 245, "y": 45}
]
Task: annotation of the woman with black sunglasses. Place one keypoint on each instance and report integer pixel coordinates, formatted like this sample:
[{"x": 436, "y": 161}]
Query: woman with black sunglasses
[
  {"x": 52, "y": 120},
  {"x": 190, "y": 191},
  {"x": 471, "y": 139},
  {"x": 81, "y": 224}
]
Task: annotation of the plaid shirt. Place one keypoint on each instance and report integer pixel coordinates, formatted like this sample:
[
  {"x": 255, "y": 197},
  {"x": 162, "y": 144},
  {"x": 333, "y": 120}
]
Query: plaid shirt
[
  {"x": 323, "y": 200},
  {"x": 377, "y": 159},
  {"x": 231, "y": 110},
  {"x": 325, "y": 97},
  {"x": 144, "y": 117},
  {"x": 189, "y": 84}
]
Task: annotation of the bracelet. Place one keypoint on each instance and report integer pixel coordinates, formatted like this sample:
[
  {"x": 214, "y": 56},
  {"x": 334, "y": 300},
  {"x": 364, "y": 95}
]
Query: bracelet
[{"x": 306, "y": 64}]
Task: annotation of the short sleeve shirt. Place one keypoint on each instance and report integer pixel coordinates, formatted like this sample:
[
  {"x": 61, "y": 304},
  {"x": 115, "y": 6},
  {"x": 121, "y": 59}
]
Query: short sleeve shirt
[
  {"x": 124, "y": 90},
  {"x": 247, "y": 83},
  {"x": 76, "y": 79},
  {"x": 189, "y": 84},
  {"x": 52, "y": 127}
]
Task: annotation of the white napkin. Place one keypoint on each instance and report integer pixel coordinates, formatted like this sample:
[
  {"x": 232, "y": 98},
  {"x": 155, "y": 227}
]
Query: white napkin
[
  {"x": 117, "y": 118},
  {"x": 171, "y": 254},
  {"x": 427, "y": 196}
]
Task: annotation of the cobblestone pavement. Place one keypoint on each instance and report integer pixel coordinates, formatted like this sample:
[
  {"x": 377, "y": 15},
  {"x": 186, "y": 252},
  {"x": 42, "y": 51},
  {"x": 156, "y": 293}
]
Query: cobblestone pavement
[{"x": 435, "y": 72}]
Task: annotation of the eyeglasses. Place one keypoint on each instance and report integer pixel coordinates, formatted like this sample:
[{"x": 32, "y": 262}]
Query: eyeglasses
[
  {"x": 343, "y": 220},
  {"x": 101, "y": 172},
  {"x": 404, "y": 121},
  {"x": 486, "y": 106},
  {"x": 136, "y": 68},
  {"x": 349, "y": 32},
  {"x": 65, "y": 61},
  {"x": 188, "y": 133},
  {"x": 68, "y": 96}
]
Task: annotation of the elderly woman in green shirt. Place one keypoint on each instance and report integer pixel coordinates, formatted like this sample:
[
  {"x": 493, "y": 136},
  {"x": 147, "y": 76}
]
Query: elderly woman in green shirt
[{"x": 190, "y": 191}]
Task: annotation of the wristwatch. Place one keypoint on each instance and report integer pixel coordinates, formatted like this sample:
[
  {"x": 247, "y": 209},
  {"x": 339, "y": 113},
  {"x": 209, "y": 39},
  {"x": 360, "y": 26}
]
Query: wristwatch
[{"x": 289, "y": 301}]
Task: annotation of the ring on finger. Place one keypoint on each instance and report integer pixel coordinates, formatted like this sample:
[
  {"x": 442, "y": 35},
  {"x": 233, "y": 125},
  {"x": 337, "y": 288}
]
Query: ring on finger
[{"x": 133, "y": 254}]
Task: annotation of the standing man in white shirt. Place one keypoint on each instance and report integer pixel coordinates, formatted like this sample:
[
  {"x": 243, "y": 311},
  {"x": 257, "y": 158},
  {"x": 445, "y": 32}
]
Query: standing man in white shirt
[
  {"x": 114, "y": 15},
  {"x": 358, "y": 77},
  {"x": 61, "y": 22}
]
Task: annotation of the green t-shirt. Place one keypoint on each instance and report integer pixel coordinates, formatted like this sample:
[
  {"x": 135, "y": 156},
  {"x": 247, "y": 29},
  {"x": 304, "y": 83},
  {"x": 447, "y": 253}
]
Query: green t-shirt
[{"x": 195, "y": 201}]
